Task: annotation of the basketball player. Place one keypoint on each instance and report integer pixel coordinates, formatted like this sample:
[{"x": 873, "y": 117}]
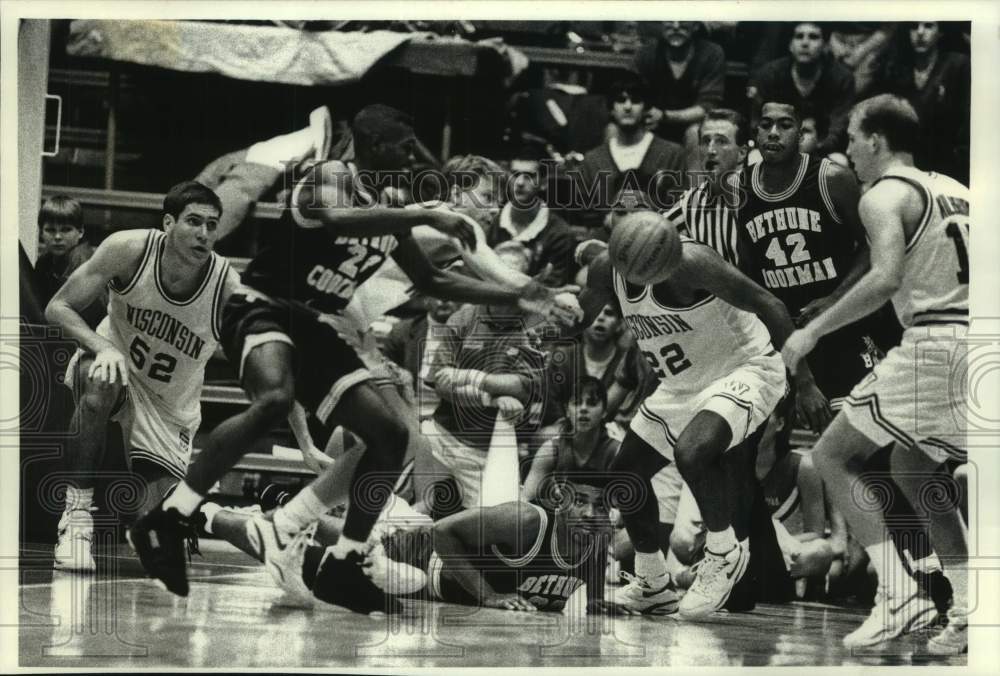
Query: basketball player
[
  {"x": 809, "y": 266},
  {"x": 707, "y": 331},
  {"x": 333, "y": 236},
  {"x": 514, "y": 556},
  {"x": 167, "y": 289},
  {"x": 800, "y": 238},
  {"x": 918, "y": 226}
]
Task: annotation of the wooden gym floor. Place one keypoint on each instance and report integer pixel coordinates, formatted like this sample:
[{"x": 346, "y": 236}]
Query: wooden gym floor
[{"x": 120, "y": 619}]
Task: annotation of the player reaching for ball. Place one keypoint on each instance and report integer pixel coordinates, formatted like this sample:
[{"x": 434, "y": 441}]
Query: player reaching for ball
[{"x": 704, "y": 327}]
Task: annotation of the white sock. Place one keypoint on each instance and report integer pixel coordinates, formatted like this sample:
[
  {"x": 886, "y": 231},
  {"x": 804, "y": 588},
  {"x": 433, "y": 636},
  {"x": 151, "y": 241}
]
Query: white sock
[
  {"x": 929, "y": 564},
  {"x": 345, "y": 546},
  {"x": 210, "y": 509},
  {"x": 890, "y": 570},
  {"x": 79, "y": 498},
  {"x": 183, "y": 499},
  {"x": 651, "y": 565},
  {"x": 721, "y": 542},
  {"x": 299, "y": 512},
  {"x": 278, "y": 151}
]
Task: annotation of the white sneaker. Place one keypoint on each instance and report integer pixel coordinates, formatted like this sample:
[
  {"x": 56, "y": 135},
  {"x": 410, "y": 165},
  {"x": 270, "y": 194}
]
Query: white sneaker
[
  {"x": 892, "y": 617},
  {"x": 73, "y": 550},
  {"x": 656, "y": 597},
  {"x": 953, "y": 639},
  {"x": 714, "y": 578},
  {"x": 283, "y": 561},
  {"x": 393, "y": 577}
]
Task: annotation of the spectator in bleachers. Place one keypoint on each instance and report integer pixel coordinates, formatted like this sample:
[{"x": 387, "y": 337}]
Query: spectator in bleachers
[
  {"x": 937, "y": 84},
  {"x": 687, "y": 76},
  {"x": 633, "y": 156},
  {"x": 60, "y": 224},
  {"x": 411, "y": 340},
  {"x": 582, "y": 445},
  {"x": 862, "y": 46},
  {"x": 812, "y": 131},
  {"x": 527, "y": 219},
  {"x": 812, "y": 81},
  {"x": 487, "y": 366},
  {"x": 595, "y": 353}
]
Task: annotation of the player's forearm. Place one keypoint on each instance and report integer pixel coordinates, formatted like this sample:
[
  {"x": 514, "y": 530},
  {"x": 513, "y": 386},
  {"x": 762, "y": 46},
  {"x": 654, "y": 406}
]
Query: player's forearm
[
  {"x": 485, "y": 263},
  {"x": 371, "y": 222},
  {"x": 63, "y": 315},
  {"x": 452, "y": 286},
  {"x": 862, "y": 264},
  {"x": 775, "y": 317},
  {"x": 864, "y": 298},
  {"x": 453, "y": 554},
  {"x": 687, "y": 115}
]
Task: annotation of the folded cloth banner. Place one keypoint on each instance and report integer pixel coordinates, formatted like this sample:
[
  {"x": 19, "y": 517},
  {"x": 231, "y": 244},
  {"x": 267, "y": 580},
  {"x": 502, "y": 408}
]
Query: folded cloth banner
[{"x": 265, "y": 53}]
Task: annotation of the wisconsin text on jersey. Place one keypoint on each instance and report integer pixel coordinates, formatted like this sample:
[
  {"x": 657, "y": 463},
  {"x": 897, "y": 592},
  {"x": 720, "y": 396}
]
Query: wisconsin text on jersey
[
  {"x": 165, "y": 327},
  {"x": 802, "y": 270},
  {"x": 647, "y": 326}
]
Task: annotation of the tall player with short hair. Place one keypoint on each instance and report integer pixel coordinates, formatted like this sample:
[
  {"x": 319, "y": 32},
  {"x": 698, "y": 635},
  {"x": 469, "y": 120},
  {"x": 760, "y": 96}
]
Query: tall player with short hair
[
  {"x": 145, "y": 363},
  {"x": 709, "y": 334},
  {"x": 333, "y": 236},
  {"x": 918, "y": 225}
]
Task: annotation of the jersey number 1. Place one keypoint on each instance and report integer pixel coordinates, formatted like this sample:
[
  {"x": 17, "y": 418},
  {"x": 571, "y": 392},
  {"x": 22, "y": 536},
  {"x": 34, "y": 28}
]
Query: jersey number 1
[
  {"x": 163, "y": 365},
  {"x": 954, "y": 231}
]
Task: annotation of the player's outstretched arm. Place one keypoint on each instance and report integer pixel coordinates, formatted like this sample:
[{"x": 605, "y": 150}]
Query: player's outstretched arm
[
  {"x": 117, "y": 258},
  {"x": 461, "y": 536},
  {"x": 705, "y": 269},
  {"x": 598, "y": 292},
  {"x": 327, "y": 202}
]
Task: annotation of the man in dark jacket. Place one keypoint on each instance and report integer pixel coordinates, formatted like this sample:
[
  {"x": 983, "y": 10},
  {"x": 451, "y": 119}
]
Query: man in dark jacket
[{"x": 633, "y": 156}]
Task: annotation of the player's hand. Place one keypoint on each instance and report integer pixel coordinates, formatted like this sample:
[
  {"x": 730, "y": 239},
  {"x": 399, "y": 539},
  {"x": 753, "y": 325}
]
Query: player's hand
[
  {"x": 455, "y": 224},
  {"x": 813, "y": 309},
  {"x": 795, "y": 349},
  {"x": 509, "y": 407},
  {"x": 603, "y": 607},
  {"x": 654, "y": 116},
  {"x": 508, "y": 602},
  {"x": 588, "y": 250},
  {"x": 559, "y": 304},
  {"x": 811, "y": 407},
  {"x": 109, "y": 366}
]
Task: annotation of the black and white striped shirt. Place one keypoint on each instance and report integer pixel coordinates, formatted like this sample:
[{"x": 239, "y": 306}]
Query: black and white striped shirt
[{"x": 707, "y": 219}]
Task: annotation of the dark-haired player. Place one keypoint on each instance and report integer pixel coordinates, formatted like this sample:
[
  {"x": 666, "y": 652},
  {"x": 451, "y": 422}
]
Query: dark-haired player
[
  {"x": 145, "y": 363},
  {"x": 513, "y": 556},
  {"x": 918, "y": 225},
  {"x": 708, "y": 333},
  {"x": 332, "y": 237}
]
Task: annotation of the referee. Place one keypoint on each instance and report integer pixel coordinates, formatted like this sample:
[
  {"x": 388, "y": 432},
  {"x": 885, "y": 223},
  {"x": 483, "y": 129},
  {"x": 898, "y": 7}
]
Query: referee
[{"x": 707, "y": 212}]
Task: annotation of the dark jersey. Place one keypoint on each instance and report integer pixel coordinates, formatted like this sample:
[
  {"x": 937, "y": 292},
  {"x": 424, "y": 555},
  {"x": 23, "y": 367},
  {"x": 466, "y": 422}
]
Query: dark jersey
[
  {"x": 544, "y": 575},
  {"x": 301, "y": 261},
  {"x": 794, "y": 244}
]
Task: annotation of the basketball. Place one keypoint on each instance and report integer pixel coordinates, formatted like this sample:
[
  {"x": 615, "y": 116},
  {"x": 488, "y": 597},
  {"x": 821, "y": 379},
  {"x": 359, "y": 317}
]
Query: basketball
[{"x": 644, "y": 247}]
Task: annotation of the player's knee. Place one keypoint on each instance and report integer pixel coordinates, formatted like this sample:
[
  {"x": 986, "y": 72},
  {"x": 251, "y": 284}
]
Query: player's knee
[
  {"x": 274, "y": 404},
  {"x": 387, "y": 433},
  {"x": 98, "y": 398},
  {"x": 694, "y": 456}
]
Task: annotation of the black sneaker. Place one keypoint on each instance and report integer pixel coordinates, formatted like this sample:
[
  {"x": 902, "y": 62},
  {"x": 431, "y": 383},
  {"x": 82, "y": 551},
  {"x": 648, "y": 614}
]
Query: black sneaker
[
  {"x": 163, "y": 540},
  {"x": 938, "y": 588},
  {"x": 342, "y": 582}
]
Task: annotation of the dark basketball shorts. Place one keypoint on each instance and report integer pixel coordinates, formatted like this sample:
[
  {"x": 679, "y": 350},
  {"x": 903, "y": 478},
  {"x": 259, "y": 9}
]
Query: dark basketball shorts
[{"x": 325, "y": 366}]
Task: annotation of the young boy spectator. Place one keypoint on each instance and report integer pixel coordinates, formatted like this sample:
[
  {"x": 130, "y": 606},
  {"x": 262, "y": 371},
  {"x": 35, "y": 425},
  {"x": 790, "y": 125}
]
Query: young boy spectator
[{"x": 60, "y": 222}]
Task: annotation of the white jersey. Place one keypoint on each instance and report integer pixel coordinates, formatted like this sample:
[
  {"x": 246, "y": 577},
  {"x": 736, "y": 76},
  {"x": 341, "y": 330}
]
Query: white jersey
[
  {"x": 689, "y": 348},
  {"x": 935, "y": 284},
  {"x": 167, "y": 341}
]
